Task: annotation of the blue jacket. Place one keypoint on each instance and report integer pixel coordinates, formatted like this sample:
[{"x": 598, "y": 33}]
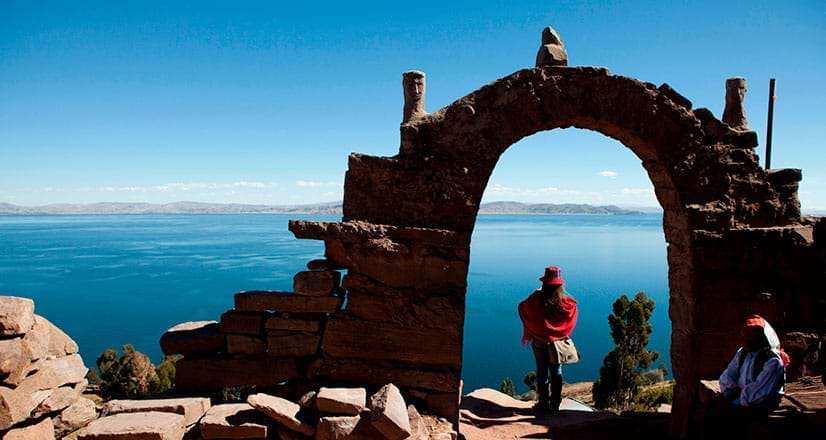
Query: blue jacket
[{"x": 765, "y": 389}]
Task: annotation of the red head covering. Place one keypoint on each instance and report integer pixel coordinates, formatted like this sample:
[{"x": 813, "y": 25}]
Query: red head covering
[
  {"x": 547, "y": 323},
  {"x": 770, "y": 339},
  {"x": 553, "y": 276}
]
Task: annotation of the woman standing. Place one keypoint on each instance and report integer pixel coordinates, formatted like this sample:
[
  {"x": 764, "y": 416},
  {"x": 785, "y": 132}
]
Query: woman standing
[{"x": 548, "y": 315}]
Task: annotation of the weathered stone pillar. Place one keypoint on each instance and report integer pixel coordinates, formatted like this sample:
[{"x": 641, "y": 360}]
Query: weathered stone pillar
[
  {"x": 413, "y": 82},
  {"x": 735, "y": 115}
]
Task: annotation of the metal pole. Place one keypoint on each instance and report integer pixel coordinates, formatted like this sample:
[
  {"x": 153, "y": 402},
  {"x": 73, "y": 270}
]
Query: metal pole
[{"x": 769, "y": 125}]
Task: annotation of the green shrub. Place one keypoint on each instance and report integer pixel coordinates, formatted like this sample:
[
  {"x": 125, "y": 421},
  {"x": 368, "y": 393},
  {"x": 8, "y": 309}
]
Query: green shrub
[
  {"x": 652, "y": 397},
  {"x": 507, "y": 387},
  {"x": 530, "y": 380},
  {"x": 133, "y": 374}
]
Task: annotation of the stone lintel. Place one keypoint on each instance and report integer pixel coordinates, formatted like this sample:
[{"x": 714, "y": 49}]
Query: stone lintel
[{"x": 361, "y": 231}]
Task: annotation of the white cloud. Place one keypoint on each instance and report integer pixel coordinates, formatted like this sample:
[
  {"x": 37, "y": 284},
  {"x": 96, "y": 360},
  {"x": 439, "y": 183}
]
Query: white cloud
[
  {"x": 607, "y": 173},
  {"x": 638, "y": 191},
  {"x": 315, "y": 184},
  {"x": 180, "y": 186},
  {"x": 549, "y": 194}
]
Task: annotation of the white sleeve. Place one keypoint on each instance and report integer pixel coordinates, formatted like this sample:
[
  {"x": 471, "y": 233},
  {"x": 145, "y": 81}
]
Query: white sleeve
[
  {"x": 765, "y": 384},
  {"x": 728, "y": 380}
]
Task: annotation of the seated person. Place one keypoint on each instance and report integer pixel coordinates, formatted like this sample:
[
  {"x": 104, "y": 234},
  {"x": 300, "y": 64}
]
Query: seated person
[{"x": 754, "y": 379}]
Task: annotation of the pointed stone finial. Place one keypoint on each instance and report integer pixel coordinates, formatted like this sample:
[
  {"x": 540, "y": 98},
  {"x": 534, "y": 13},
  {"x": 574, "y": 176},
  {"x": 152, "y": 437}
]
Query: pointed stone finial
[
  {"x": 735, "y": 115},
  {"x": 413, "y": 82},
  {"x": 552, "y": 52}
]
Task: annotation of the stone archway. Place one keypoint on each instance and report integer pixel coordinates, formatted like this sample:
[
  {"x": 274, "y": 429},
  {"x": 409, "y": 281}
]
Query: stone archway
[
  {"x": 406, "y": 232},
  {"x": 405, "y": 236}
]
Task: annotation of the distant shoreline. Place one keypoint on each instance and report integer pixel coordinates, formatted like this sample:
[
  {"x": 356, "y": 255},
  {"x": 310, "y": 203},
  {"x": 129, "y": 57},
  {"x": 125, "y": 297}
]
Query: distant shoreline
[{"x": 331, "y": 208}]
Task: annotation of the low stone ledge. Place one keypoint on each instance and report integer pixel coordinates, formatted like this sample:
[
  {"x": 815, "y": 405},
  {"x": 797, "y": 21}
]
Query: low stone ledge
[
  {"x": 130, "y": 426},
  {"x": 192, "y": 408},
  {"x": 214, "y": 374}
]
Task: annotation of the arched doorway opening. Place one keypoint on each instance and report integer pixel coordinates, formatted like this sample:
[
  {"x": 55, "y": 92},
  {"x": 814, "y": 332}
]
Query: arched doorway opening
[{"x": 604, "y": 252}]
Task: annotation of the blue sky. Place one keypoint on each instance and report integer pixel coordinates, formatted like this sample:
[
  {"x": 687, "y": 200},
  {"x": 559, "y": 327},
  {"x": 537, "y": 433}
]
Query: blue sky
[{"x": 261, "y": 102}]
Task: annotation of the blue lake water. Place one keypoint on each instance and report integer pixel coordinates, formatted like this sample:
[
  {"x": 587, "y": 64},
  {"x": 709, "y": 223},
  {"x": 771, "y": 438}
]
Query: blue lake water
[{"x": 108, "y": 280}]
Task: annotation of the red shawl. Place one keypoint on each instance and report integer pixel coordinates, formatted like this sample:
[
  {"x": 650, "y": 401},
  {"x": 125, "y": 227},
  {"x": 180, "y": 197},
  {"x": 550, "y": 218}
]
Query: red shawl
[{"x": 547, "y": 324}]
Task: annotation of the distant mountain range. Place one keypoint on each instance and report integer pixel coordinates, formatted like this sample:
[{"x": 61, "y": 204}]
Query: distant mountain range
[
  {"x": 331, "y": 208},
  {"x": 549, "y": 208},
  {"x": 170, "y": 208}
]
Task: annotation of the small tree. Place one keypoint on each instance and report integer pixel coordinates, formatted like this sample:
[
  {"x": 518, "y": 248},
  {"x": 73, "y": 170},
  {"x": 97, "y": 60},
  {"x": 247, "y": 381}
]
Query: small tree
[
  {"x": 507, "y": 387},
  {"x": 133, "y": 374},
  {"x": 620, "y": 376}
]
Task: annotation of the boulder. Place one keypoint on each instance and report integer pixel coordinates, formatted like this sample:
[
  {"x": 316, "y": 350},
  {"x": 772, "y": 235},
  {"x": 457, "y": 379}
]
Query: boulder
[
  {"x": 346, "y": 401},
  {"x": 11, "y": 356},
  {"x": 347, "y": 427},
  {"x": 234, "y": 420},
  {"x": 15, "y": 407},
  {"x": 53, "y": 373},
  {"x": 136, "y": 426},
  {"x": 388, "y": 413},
  {"x": 335, "y": 428},
  {"x": 193, "y": 338},
  {"x": 192, "y": 408},
  {"x": 245, "y": 344},
  {"x": 246, "y": 323},
  {"x": 283, "y": 411},
  {"x": 47, "y": 340},
  {"x": 418, "y": 429},
  {"x": 60, "y": 344},
  {"x": 308, "y": 400},
  {"x": 76, "y": 416},
  {"x": 316, "y": 283},
  {"x": 59, "y": 399},
  {"x": 16, "y": 315},
  {"x": 291, "y": 344},
  {"x": 43, "y": 430}
]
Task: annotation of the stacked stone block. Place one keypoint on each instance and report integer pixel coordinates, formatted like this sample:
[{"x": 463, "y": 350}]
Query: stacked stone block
[
  {"x": 268, "y": 338},
  {"x": 42, "y": 376}
]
